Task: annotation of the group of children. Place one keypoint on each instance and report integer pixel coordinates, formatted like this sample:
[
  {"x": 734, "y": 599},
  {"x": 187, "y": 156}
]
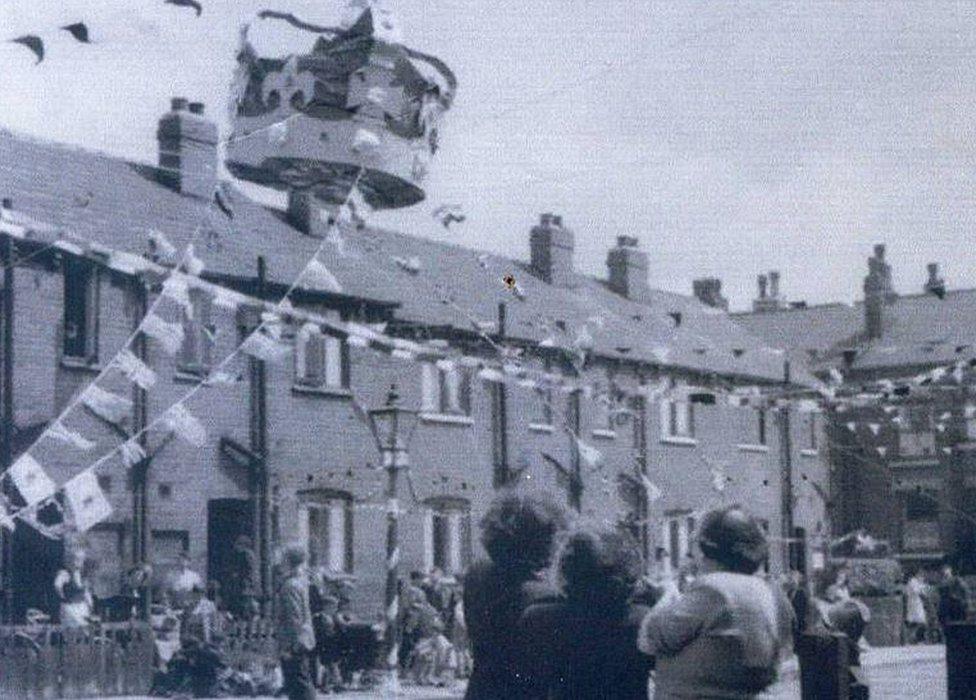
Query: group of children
[{"x": 435, "y": 647}]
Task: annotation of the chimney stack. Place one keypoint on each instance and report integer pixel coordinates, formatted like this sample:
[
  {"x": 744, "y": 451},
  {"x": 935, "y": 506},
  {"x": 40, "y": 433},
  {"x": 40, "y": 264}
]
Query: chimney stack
[
  {"x": 877, "y": 290},
  {"x": 935, "y": 283},
  {"x": 627, "y": 268},
  {"x": 768, "y": 299},
  {"x": 188, "y": 149},
  {"x": 552, "y": 251},
  {"x": 709, "y": 292}
]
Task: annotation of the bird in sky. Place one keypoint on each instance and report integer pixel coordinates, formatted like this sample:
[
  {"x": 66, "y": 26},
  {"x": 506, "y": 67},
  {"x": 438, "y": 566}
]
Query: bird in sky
[{"x": 187, "y": 3}]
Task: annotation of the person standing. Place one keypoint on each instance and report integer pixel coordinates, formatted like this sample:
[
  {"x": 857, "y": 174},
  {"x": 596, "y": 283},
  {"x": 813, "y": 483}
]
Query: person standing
[
  {"x": 726, "y": 635},
  {"x": 916, "y": 621},
  {"x": 518, "y": 533},
  {"x": 583, "y": 646},
  {"x": 73, "y": 590},
  {"x": 296, "y": 637},
  {"x": 953, "y": 597},
  {"x": 240, "y": 596}
]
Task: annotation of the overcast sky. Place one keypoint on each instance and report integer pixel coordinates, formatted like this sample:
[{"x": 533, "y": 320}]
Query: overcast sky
[{"x": 730, "y": 138}]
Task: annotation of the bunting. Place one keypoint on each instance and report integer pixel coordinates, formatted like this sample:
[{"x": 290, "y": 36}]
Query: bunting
[
  {"x": 70, "y": 437},
  {"x": 318, "y": 276},
  {"x": 169, "y": 335},
  {"x": 260, "y": 346},
  {"x": 135, "y": 369},
  {"x": 176, "y": 289},
  {"x": 186, "y": 425},
  {"x": 132, "y": 453},
  {"x": 88, "y": 504},
  {"x": 106, "y": 405},
  {"x": 31, "y": 480}
]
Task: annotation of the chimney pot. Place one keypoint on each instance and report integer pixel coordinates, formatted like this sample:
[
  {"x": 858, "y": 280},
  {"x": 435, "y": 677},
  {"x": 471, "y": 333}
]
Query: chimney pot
[
  {"x": 196, "y": 108},
  {"x": 879, "y": 251},
  {"x": 626, "y": 242},
  {"x": 188, "y": 150},
  {"x": 178, "y": 104},
  {"x": 774, "y": 284},
  {"x": 709, "y": 292}
]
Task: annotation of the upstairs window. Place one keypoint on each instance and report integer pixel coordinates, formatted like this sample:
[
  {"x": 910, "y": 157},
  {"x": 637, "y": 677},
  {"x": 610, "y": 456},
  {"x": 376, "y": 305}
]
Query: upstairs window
[
  {"x": 915, "y": 433},
  {"x": 544, "y": 402},
  {"x": 80, "y": 311},
  {"x": 447, "y": 535},
  {"x": 446, "y": 389},
  {"x": 677, "y": 418},
  {"x": 761, "y": 427},
  {"x": 678, "y": 531},
  {"x": 810, "y": 441},
  {"x": 198, "y": 334},
  {"x": 320, "y": 360}
]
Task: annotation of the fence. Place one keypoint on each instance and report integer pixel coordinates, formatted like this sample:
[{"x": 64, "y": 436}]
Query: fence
[
  {"x": 250, "y": 646},
  {"x": 50, "y": 661}
]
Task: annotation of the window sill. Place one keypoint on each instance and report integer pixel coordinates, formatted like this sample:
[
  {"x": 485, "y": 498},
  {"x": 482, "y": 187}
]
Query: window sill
[
  {"x": 760, "y": 449},
  {"x": 446, "y": 418},
  {"x": 335, "y": 392},
  {"x": 679, "y": 441},
  {"x": 809, "y": 453},
  {"x": 541, "y": 428},
  {"x": 77, "y": 363},
  {"x": 605, "y": 434}
]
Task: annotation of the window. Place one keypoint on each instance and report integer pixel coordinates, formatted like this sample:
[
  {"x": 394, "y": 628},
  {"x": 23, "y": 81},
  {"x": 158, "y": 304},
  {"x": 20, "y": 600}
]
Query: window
[
  {"x": 921, "y": 529},
  {"x": 544, "y": 403},
  {"x": 320, "y": 360},
  {"x": 678, "y": 536},
  {"x": 677, "y": 418},
  {"x": 447, "y": 536},
  {"x": 810, "y": 432},
  {"x": 106, "y": 545},
  {"x": 325, "y": 527},
  {"x": 915, "y": 435},
  {"x": 167, "y": 546},
  {"x": 446, "y": 389},
  {"x": 198, "y": 334},
  {"x": 761, "y": 426},
  {"x": 80, "y": 311}
]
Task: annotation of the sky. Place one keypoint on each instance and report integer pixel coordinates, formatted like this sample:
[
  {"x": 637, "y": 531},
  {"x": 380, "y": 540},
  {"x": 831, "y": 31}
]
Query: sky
[{"x": 729, "y": 138}]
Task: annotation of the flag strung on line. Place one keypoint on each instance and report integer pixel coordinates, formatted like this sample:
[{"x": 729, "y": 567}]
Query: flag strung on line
[
  {"x": 31, "y": 480},
  {"x": 176, "y": 289},
  {"x": 194, "y": 265},
  {"x": 106, "y": 405},
  {"x": 132, "y": 453},
  {"x": 87, "y": 501},
  {"x": 318, "y": 276},
  {"x": 135, "y": 369},
  {"x": 169, "y": 335},
  {"x": 262, "y": 347},
  {"x": 186, "y": 425},
  {"x": 70, "y": 437}
]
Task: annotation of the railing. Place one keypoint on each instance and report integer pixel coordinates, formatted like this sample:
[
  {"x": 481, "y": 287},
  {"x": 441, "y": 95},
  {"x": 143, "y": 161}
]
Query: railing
[
  {"x": 249, "y": 646},
  {"x": 50, "y": 661}
]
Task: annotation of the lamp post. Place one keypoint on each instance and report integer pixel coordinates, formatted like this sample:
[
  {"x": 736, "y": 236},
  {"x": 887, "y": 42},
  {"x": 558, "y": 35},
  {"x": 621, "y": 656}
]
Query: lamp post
[{"x": 392, "y": 428}]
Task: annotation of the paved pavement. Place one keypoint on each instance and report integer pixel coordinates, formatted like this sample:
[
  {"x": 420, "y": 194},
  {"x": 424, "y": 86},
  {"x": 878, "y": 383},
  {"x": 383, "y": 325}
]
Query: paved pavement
[{"x": 893, "y": 673}]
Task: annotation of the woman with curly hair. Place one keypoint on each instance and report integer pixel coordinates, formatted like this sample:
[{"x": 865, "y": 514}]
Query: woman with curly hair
[
  {"x": 519, "y": 533},
  {"x": 723, "y": 637},
  {"x": 584, "y": 645}
]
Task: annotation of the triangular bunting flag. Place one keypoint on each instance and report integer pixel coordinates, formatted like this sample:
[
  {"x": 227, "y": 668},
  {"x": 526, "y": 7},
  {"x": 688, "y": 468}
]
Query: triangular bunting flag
[
  {"x": 947, "y": 450},
  {"x": 227, "y": 299},
  {"x": 852, "y": 426},
  {"x": 169, "y": 335},
  {"x": 592, "y": 456},
  {"x": 194, "y": 265},
  {"x": 31, "y": 480},
  {"x": 874, "y": 428},
  {"x": 176, "y": 289},
  {"x": 317, "y": 276},
  {"x": 719, "y": 480},
  {"x": 186, "y": 425},
  {"x": 59, "y": 432},
  {"x": 88, "y": 504},
  {"x": 159, "y": 245},
  {"x": 132, "y": 453},
  {"x": 882, "y": 451},
  {"x": 261, "y": 347},
  {"x": 6, "y": 522},
  {"x": 107, "y": 405},
  {"x": 940, "y": 427},
  {"x": 135, "y": 369},
  {"x": 651, "y": 489}
]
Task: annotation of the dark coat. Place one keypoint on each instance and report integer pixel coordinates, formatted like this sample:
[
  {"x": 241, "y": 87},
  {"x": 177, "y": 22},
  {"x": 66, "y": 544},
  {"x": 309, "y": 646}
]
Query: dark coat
[
  {"x": 953, "y": 600},
  {"x": 585, "y": 651},
  {"x": 493, "y": 604}
]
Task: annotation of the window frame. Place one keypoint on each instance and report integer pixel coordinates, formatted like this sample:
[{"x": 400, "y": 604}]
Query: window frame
[
  {"x": 196, "y": 351},
  {"x": 328, "y": 503},
  {"x": 437, "y": 391},
  {"x": 331, "y": 372},
  {"x": 80, "y": 273},
  {"x": 913, "y": 441},
  {"x": 672, "y": 411},
  {"x": 455, "y": 515}
]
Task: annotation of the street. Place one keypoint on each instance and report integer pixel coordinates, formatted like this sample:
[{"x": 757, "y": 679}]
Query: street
[{"x": 893, "y": 673}]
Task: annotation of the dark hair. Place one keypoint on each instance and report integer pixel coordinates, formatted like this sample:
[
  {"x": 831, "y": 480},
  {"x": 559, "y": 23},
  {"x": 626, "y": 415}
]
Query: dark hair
[
  {"x": 519, "y": 531},
  {"x": 599, "y": 569},
  {"x": 734, "y": 539}
]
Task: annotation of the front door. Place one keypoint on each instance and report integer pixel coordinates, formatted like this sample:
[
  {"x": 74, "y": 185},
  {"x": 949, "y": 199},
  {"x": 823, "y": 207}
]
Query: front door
[{"x": 227, "y": 519}]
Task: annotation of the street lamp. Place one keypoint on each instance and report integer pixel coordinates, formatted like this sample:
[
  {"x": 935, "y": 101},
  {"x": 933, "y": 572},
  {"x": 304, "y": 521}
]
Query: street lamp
[{"x": 392, "y": 427}]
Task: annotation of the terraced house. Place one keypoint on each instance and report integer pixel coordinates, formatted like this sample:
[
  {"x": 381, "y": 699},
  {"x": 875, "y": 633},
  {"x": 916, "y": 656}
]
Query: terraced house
[
  {"x": 903, "y": 465},
  {"x": 287, "y": 454}
]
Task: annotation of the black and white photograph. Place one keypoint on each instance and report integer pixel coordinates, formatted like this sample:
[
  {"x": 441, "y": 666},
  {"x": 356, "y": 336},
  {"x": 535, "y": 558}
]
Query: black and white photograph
[{"x": 536, "y": 350}]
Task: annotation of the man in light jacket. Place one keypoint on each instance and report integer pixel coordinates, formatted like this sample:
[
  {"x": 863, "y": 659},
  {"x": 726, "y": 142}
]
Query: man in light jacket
[
  {"x": 725, "y": 636},
  {"x": 296, "y": 638}
]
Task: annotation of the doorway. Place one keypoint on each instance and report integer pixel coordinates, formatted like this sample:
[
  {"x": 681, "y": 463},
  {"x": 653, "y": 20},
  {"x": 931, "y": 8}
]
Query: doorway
[{"x": 227, "y": 519}]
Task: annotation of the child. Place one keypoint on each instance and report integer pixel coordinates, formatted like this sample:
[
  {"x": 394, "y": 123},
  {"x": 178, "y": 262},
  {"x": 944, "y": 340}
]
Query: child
[{"x": 433, "y": 658}]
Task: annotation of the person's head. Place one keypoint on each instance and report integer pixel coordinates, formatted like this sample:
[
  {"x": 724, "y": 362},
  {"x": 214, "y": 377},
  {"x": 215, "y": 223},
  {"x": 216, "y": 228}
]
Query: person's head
[
  {"x": 599, "y": 569},
  {"x": 842, "y": 577},
  {"x": 519, "y": 532},
  {"x": 732, "y": 540},
  {"x": 293, "y": 558},
  {"x": 196, "y": 593},
  {"x": 416, "y": 577},
  {"x": 436, "y": 575}
]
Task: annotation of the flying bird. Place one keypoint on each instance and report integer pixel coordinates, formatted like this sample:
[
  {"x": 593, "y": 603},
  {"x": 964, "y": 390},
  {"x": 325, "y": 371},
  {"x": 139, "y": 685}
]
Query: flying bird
[
  {"x": 32, "y": 42},
  {"x": 79, "y": 30},
  {"x": 449, "y": 214},
  {"x": 187, "y": 3}
]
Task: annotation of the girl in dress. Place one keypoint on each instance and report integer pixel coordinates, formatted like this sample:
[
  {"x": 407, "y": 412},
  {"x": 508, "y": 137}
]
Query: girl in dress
[{"x": 73, "y": 590}]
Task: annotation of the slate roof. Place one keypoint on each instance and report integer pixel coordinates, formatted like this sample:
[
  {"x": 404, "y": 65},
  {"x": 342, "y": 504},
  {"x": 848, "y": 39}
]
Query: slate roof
[
  {"x": 114, "y": 202},
  {"x": 919, "y": 330}
]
